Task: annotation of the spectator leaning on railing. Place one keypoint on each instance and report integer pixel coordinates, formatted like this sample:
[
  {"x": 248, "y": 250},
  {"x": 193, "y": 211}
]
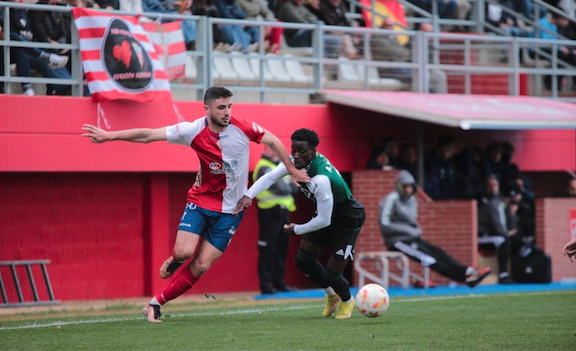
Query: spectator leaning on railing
[{"x": 257, "y": 10}]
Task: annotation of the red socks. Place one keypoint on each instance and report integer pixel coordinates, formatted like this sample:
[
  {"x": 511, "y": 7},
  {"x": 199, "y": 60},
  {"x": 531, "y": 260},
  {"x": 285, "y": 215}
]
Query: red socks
[{"x": 181, "y": 282}]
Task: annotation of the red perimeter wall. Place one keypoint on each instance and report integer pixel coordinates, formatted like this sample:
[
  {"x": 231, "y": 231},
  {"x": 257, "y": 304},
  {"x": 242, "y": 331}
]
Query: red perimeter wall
[{"x": 106, "y": 215}]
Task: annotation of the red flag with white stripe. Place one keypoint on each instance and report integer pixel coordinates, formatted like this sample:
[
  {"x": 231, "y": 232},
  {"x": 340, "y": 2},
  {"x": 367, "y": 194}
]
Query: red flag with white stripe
[
  {"x": 118, "y": 59},
  {"x": 168, "y": 40}
]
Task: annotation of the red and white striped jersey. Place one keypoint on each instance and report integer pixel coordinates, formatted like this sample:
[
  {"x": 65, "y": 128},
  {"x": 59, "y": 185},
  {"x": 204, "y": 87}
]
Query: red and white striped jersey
[
  {"x": 223, "y": 175},
  {"x": 118, "y": 58}
]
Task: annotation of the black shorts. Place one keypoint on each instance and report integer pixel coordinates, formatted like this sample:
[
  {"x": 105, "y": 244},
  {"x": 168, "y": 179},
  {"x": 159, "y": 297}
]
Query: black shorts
[{"x": 341, "y": 235}]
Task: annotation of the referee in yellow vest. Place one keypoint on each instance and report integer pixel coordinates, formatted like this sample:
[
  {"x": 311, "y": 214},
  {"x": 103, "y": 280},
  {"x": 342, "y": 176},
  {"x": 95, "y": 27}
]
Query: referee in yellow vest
[{"x": 274, "y": 206}]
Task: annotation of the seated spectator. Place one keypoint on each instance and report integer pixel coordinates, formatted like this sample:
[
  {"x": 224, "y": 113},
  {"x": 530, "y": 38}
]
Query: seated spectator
[
  {"x": 399, "y": 226},
  {"x": 492, "y": 227},
  {"x": 386, "y": 47},
  {"x": 245, "y": 37},
  {"x": 49, "y": 65},
  {"x": 184, "y": 7},
  {"x": 207, "y": 8},
  {"x": 440, "y": 176},
  {"x": 108, "y": 4},
  {"x": 333, "y": 13},
  {"x": 50, "y": 27},
  {"x": 407, "y": 159},
  {"x": 569, "y": 191},
  {"x": 555, "y": 23},
  {"x": 527, "y": 195},
  {"x": 472, "y": 165},
  {"x": 378, "y": 160},
  {"x": 295, "y": 11},
  {"x": 257, "y": 10},
  {"x": 131, "y": 6}
]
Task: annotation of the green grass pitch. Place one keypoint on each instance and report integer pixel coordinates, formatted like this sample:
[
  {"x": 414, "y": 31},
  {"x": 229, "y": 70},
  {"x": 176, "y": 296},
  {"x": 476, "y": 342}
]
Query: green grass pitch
[{"x": 529, "y": 321}]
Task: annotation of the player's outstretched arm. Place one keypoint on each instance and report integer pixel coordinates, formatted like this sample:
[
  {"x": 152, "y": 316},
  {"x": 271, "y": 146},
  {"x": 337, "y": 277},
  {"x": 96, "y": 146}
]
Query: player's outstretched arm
[
  {"x": 298, "y": 175},
  {"x": 136, "y": 135},
  {"x": 570, "y": 249}
]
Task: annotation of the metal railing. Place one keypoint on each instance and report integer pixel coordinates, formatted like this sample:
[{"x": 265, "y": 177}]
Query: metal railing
[{"x": 429, "y": 51}]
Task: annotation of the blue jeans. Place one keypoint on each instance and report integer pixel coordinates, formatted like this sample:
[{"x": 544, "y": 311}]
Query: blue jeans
[{"x": 232, "y": 33}]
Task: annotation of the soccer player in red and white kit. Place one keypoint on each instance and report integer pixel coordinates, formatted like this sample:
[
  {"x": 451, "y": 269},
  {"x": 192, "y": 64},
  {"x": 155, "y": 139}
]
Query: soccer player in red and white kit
[{"x": 222, "y": 144}]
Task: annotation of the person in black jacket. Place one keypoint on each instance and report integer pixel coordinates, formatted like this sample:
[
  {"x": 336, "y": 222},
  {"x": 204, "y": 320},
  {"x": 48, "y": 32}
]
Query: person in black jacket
[{"x": 493, "y": 228}]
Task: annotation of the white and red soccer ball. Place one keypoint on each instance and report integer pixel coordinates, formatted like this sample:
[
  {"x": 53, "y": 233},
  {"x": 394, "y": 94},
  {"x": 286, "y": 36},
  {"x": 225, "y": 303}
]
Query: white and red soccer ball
[{"x": 372, "y": 300}]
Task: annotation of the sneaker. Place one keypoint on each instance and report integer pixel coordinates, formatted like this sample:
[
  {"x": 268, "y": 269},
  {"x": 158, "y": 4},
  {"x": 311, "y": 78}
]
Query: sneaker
[
  {"x": 505, "y": 280},
  {"x": 346, "y": 308},
  {"x": 164, "y": 274},
  {"x": 477, "y": 276},
  {"x": 152, "y": 312},
  {"x": 282, "y": 287},
  {"x": 29, "y": 92},
  {"x": 331, "y": 303},
  {"x": 57, "y": 61}
]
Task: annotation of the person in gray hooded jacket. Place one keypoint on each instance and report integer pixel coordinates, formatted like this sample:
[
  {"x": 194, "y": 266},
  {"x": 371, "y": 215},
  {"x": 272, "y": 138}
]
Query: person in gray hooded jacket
[{"x": 401, "y": 232}]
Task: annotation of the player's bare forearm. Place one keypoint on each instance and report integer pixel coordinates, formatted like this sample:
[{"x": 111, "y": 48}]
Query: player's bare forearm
[
  {"x": 136, "y": 135},
  {"x": 298, "y": 175}
]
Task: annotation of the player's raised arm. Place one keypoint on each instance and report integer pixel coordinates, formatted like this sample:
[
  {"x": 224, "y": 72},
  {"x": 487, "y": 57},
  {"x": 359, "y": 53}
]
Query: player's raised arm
[
  {"x": 136, "y": 135},
  {"x": 298, "y": 175}
]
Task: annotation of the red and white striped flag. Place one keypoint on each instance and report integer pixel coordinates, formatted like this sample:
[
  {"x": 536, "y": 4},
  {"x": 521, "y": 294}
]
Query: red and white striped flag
[
  {"x": 168, "y": 40},
  {"x": 119, "y": 60}
]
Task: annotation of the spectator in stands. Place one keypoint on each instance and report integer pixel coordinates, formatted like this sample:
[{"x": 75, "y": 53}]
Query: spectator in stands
[
  {"x": 494, "y": 157},
  {"x": 390, "y": 145},
  {"x": 569, "y": 191},
  {"x": 49, "y": 26},
  {"x": 472, "y": 165},
  {"x": 333, "y": 13},
  {"x": 257, "y": 10},
  {"x": 401, "y": 232},
  {"x": 524, "y": 221},
  {"x": 554, "y": 23},
  {"x": 296, "y": 11},
  {"x": 509, "y": 25},
  {"x": 492, "y": 227},
  {"x": 246, "y": 37},
  {"x": 440, "y": 177},
  {"x": 49, "y": 65},
  {"x": 131, "y": 6},
  {"x": 407, "y": 159},
  {"x": 184, "y": 7},
  {"x": 386, "y": 47},
  {"x": 379, "y": 160},
  {"x": 108, "y": 4},
  {"x": 207, "y": 8}
]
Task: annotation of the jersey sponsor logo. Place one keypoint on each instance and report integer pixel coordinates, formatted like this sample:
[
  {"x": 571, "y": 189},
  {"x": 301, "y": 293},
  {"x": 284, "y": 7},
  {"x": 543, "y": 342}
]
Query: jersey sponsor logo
[{"x": 225, "y": 167}]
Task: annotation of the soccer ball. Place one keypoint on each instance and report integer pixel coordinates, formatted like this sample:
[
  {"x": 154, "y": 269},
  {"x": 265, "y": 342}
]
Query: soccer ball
[{"x": 372, "y": 300}]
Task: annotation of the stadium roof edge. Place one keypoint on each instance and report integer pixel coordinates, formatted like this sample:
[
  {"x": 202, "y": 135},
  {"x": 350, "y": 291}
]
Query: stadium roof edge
[{"x": 464, "y": 111}]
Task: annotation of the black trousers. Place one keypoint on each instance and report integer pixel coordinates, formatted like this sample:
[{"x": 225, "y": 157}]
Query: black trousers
[
  {"x": 431, "y": 256},
  {"x": 272, "y": 245}
]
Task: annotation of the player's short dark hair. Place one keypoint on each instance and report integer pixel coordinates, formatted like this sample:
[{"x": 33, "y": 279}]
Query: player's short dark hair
[
  {"x": 216, "y": 92},
  {"x": 307, "y": 135}
]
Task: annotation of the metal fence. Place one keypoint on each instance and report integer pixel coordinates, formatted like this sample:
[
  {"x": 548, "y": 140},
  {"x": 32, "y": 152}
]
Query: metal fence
[{"x": 463, "y": 59}]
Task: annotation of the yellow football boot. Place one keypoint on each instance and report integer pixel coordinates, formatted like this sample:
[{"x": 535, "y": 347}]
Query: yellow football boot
[
  {"x": 331, "y": 303},
  {"x": 345, "y": 310}
]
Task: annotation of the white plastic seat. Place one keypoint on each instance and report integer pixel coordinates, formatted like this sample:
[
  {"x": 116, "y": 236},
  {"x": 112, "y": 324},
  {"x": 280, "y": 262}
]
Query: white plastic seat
[
  {"x": 191, "y": 72},
  {"x": 277, "y": 69},
  {"x": 255, "y": 66},
  {"x": 346, "y": 70},
  {"x": 223, "y": 67},
  {"x": 241, "y": 66},
  {"x": 295, "y": 71}
]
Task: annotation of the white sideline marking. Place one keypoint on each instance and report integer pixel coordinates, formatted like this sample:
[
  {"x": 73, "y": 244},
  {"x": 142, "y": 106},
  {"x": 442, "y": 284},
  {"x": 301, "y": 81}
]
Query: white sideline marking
[{"x": 260, "y": 310}]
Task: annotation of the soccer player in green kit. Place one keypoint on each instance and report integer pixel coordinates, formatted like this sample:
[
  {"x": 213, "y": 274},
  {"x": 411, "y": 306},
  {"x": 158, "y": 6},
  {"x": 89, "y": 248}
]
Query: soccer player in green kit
[{"x": 337, "y": 223}]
